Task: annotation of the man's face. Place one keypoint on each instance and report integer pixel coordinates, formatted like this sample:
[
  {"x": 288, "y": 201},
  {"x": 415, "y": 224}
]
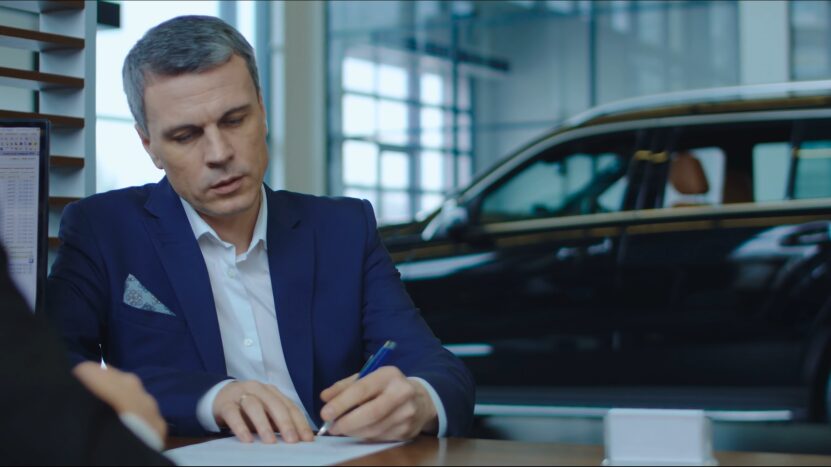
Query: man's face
[{"x": 207, "y": 131}]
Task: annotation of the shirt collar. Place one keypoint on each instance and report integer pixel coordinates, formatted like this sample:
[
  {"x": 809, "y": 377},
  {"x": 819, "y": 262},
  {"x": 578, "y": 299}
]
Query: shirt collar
[{"x": 201, "y": 228}]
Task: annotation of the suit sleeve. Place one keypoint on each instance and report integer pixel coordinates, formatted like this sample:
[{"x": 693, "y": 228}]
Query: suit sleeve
[
  {"x": 389, "y": 313},
  {"x": 78, "y": 297},
  {"x": 48, "y": 416}
]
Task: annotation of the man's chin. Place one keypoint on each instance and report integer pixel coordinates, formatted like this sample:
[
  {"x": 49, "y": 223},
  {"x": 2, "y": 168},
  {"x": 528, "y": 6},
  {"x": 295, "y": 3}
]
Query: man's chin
[{"x": 227, "y": 208}]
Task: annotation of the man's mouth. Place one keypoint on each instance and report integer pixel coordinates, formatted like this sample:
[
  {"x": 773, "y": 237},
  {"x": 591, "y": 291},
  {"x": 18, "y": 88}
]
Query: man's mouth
[{"x": 227, "y": 185}]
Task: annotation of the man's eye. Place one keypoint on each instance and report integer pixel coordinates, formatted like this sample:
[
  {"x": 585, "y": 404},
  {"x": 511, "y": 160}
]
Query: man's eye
[
  {"x": 233, "y": 121},
  {"x": 183, "y": 138}
]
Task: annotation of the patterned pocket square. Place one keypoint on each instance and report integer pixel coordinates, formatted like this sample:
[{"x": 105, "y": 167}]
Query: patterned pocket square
[{"x": 137, "y": 296}]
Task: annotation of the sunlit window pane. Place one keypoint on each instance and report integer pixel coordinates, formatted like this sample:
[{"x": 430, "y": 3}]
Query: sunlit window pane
[
  {"x": 358, "y": 75},
  {"x": 448, "y": 124},
  {"x": 463, "y": 92},
  {"x": 431, "y": 89},
  {"x": 464, "y": 135},
  {"x": 465, "y": 170},
  {"x": 392, "y": 81},
  {"x": 620, "y": 15},
  {"x": 430, "y": 201},
  {"x": 449, "y": 171},
  {"x": 246, "y": 19},
  {"x": 395, "y": 170},
  {"x": 114, "y": 43},
  {"x": 395, "y": 207},
  {"x": 392, "y": 122},
  {"x": 360, "y": 163},
  {"x": 560, "y": 6},
  {"x": 368, "y": 195},
  {"x": 432, "y": 170},
  {"x": 431, "y": 127},
  {"x": 358, "y": 115},
  {"x": 121, "y": 160}
]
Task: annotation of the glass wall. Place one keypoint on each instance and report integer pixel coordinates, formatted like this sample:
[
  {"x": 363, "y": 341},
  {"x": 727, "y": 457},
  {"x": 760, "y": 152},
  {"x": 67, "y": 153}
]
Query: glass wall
[
  {"x": 423, "y": 96},
  {"x": 810, "y": 23},
  {"x": 653, "y": 47}
]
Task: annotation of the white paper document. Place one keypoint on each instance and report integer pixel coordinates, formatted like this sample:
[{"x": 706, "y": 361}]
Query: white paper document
[{"x": 324, "y": 450}]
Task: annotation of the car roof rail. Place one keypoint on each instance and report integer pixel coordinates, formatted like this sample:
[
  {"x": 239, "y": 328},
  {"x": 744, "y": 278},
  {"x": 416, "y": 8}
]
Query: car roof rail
[{"x": 703, "y": 96}]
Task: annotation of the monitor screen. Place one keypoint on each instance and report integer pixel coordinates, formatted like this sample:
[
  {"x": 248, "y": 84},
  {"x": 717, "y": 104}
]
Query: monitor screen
[{"x": 24, "y": 153}]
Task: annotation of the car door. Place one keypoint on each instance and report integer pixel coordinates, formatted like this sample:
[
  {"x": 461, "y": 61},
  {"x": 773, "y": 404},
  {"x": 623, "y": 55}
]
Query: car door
[
  {"x": 720, "y": 256},
  {"x": 529, "y": 283}
]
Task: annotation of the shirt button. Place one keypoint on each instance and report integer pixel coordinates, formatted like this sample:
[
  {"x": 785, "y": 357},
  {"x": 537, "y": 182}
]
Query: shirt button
[
  {"x": 248, "y": 342},
  {"x": 232, "y": 273}
]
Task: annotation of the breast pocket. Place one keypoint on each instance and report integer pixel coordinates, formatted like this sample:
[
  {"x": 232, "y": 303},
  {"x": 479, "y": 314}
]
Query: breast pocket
[{"x": 150, "y": 319}]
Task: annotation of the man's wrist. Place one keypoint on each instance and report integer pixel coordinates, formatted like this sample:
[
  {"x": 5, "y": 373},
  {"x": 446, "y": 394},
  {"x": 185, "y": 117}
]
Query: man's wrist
[
  {"x": 205, "y": 407},
  {"x": 437, "y": 424}
]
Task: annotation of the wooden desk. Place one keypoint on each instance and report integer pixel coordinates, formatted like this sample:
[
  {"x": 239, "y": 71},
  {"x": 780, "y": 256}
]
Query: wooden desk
[{"x": 458, "y": 451}]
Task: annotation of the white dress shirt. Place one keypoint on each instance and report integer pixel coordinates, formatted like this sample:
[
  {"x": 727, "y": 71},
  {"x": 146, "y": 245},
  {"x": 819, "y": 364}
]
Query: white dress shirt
[{"x": 241, "y": 286}]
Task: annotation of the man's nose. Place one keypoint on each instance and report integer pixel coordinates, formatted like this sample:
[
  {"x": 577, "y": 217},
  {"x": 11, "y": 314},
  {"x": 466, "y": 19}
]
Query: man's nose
[{"x": 218, "y": 150}]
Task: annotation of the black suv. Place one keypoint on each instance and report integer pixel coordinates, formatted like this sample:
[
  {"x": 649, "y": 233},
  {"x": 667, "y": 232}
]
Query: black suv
[{"x": 673, "y": 255}]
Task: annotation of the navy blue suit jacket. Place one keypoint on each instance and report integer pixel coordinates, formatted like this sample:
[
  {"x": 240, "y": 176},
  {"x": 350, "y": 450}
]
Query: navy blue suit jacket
[{"x": 337, "y": 294}]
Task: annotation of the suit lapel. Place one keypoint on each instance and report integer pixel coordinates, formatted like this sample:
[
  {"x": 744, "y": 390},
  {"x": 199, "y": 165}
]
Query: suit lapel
[
  {"x": 291, "y": 260},
  {"x": 184, "y": 264}
]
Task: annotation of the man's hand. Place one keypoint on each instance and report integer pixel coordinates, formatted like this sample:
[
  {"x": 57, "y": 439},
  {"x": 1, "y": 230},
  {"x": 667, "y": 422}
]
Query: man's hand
[
  {"x": 387, "y": 407},
  {"x": 123, "y": 392},
  {"x": 246, "y": 406}
]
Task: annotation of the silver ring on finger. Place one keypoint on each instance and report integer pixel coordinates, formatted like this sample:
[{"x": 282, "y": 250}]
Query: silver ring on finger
[{"x": 242, "y": 398}]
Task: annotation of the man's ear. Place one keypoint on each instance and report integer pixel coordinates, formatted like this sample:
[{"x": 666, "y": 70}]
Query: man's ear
[{"x": 145, "y": 141}]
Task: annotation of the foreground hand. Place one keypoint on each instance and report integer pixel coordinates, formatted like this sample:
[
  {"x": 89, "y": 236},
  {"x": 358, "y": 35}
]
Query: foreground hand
[
  {"x": 123, "y": 392},
  {"x": 387, "y": 407},
  {"x": 246, "y": 406}
]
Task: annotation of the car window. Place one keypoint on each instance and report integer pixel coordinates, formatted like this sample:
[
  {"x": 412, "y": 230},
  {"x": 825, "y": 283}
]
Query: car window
[
  {"x": 579, "y": 183},
  {"x": 696, "y": 178},
  {"x": 771, "y": 164},
  {"x": 813, "y": 170}
]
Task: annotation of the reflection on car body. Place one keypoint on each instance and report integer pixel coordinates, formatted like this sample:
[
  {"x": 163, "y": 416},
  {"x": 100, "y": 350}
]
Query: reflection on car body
[{"x": 672, "y": 255}]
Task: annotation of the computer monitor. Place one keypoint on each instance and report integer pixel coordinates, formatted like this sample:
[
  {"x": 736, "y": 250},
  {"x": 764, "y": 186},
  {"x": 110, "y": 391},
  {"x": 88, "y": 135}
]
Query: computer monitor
[{"x": 24, "y": 216}]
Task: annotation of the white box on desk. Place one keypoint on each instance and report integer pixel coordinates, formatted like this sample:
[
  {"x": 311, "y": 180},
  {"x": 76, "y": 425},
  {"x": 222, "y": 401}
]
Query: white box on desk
[{"x": 658, "y": 437}]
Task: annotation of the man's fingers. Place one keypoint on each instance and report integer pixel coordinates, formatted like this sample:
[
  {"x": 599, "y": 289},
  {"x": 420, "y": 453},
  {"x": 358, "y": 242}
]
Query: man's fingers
[
  {"x": 360, "y": 391},
  {"x": 85, "y": 370},
  {"x": 255, "y": 411},
  {"x": 288, "y": 418},
  {"x": 233, "y": 418},
  {"x": 352, "y": 396},
  {"x": 278, "y": 409},
  {"x": 367, "y": 415},
  {"x": 337, "y": 388},
  {"x": 392, "y": 427},
  {"x": 300, "y": 423}
]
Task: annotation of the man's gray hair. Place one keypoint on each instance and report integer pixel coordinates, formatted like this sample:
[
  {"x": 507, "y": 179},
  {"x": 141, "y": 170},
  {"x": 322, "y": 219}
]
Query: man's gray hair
[{"x": 185, "y": 44}]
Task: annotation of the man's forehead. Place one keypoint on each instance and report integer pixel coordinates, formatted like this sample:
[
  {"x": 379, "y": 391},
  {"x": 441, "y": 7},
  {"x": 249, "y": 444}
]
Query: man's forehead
[
  {"x": 207, "y": 94},
  {"x": 231, "y": 72}
]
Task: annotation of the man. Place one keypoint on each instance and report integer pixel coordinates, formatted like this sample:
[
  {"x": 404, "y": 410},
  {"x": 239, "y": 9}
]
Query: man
[
  {"x": 48, "y": 417},
  {"x": 210, "y": 274}
]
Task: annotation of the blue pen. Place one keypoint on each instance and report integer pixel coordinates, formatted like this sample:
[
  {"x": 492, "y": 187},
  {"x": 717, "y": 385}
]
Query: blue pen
[{"x": 374, "y": 362}]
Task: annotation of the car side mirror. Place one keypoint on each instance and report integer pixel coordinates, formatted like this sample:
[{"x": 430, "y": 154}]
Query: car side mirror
[
  {"x": 451, "y": 222},
  {"x": 457, "y": 223}
]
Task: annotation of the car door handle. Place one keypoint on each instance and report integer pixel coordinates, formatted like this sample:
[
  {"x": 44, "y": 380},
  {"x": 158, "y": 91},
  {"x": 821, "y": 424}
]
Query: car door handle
[{"x": 595, "y": 249}]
